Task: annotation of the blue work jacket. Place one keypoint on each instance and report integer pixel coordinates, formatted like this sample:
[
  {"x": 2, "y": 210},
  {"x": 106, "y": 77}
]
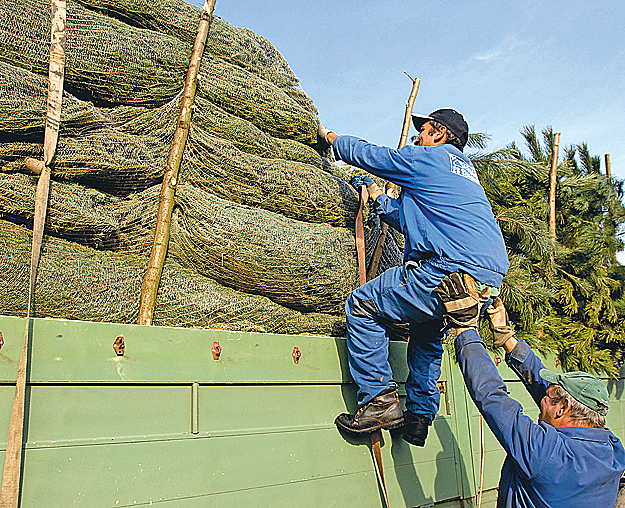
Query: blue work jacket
[
  {"x": 442, "y": 211},
  {"x": 546, "y": 466}
]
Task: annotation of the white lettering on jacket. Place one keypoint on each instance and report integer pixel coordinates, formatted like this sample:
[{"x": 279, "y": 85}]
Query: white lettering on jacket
[{"x": 460, "y": 167}]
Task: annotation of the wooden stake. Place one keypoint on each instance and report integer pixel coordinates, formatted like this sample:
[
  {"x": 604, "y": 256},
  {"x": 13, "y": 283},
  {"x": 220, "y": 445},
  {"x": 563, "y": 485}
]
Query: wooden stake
[
  {"x": 391, "y": 189},
  {"x": 12, "y": 473},
  {"x": 552, "y": 184},
  {"x": 408, "y": 114},
  {"x": 377, "y": 462},
  {"x": 608, "y": 171},
  {"x": 153, "y": 274}
]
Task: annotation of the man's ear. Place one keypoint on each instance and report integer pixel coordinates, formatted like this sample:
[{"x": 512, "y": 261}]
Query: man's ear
[
  {"x": 563, "y": 408},
  {"x": 440, "y": 136}
]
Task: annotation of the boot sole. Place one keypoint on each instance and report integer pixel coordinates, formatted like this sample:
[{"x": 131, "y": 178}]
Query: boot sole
[
  {"x": 413, "y": 441},
  {"x": 369, "y": 430}
]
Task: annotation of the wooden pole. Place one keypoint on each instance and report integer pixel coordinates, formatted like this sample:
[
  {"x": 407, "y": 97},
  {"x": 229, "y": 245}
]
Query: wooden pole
[
  {"x": 408, "y": 114},
  {"x": 12, "y": 473},
  {"x": 153, "y": 274},
  {"x": 552, "y": 184},
  {"x": 608, "y": 171},
  {"x": 391, "y": 189}
]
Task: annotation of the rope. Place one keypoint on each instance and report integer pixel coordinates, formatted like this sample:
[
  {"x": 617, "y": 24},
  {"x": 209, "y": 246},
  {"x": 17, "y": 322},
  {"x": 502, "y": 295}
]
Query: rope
[{"x": 483, "y": 455}]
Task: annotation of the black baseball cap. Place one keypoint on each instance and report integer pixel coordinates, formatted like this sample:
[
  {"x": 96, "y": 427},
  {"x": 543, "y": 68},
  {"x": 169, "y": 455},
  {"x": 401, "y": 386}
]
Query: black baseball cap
[{"x": 450, "y": 118}]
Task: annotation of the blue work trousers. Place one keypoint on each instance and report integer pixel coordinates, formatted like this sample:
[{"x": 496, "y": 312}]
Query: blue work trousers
[{"x": 400, "y": 295}]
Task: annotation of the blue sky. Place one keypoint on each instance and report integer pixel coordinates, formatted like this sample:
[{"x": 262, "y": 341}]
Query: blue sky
[{"x": 502, "y": 64}]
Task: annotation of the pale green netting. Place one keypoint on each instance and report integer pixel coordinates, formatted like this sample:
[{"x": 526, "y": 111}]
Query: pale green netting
[
  {"x": 106, "y": 159},
  {"x": 239, "y": 46},
  {"x": 120, "y": 163},
  {"x": 243, "y": 134},
  {"x": 23, "y": 96},
  {"x": 263, "y": 224},
  {"x": 124, "y": 149},
  {"x": 76, "y": 282},
  {"x": 111, "y": 62},
  {"x": 106, "y": 59},
  {"x": 297, "y": 190},
  {"x": 302, "y": 265}
]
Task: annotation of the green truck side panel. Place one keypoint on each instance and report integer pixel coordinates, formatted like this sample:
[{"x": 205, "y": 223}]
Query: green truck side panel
[{"x": 167, "y": 425}]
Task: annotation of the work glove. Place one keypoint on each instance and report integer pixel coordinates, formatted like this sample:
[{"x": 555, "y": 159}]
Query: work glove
[
  {"x": 323, "y": 132},
  {"x": 461, "y": 299},
  {"x": 357, "y": 181},
  {"x": 498, "y": 323},
  {"x": 322, "y": 135}
]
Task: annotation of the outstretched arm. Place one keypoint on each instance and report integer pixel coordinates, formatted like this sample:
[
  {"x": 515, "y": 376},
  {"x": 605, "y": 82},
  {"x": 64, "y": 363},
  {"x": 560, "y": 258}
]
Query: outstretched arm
[
  {"x": 525, "y": 364},
  {"x": 526, "y": 442},
  {"x": 519, "y": 357}
]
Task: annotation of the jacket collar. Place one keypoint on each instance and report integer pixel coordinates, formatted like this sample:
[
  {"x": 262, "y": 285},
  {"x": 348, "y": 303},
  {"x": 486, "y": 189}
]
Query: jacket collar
[{"x": 586, "y": 434}]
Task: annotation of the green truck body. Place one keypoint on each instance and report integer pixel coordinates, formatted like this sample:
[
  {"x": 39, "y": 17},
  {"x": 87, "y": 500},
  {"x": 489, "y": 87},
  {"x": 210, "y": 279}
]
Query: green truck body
[{"x": 167, "y": 424}]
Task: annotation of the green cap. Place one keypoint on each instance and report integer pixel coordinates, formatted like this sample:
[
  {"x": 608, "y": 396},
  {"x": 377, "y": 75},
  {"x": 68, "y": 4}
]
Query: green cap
[{"x": 583, "y": 387}]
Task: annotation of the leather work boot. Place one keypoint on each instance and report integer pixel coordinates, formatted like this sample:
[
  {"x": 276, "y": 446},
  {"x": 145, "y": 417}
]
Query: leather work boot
[
  {"x": 383, "y": 412},
  {"x": 415, "y": 428}
]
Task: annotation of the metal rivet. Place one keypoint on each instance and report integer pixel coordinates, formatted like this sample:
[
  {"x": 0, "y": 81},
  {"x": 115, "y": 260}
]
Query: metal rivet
[
  {"x": 297, "y": 354},
  {"x": 216, "y": 350},
  {"x": 119, "y": 345}
]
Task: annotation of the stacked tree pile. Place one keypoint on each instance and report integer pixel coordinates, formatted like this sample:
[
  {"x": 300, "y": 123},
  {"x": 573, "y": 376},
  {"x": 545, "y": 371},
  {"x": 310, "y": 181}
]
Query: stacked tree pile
[
  {"x": 565, "y": 295},
  {"x": 262, "y": 233}
]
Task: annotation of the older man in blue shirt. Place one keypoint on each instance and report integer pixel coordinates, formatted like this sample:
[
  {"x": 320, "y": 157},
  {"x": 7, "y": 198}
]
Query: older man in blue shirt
[{"x": 569, "y": 458}]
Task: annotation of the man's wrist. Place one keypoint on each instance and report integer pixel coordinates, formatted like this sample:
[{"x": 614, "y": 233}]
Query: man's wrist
[
  {"x": 467, "y": 336},
  {"x": 331, "y": 136},
  {"x": 510, "y": 344}
]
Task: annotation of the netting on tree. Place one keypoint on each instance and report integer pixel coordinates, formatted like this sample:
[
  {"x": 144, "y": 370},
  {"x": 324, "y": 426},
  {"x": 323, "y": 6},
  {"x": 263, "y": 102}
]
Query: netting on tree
[
  {"x": 123, "y": 150},
  {"x": 301, "y": 265},
  {"x": 119, "y": 163},
  {"x": 106, "y": 60},
  {"x": 263, "y": 225},
  {"x": 298, "y": 264},
  {"x": 76, "y": 282},
  {"x": 239, "y": 46},
  {"x": 243, "y": 134},
  {"x": 76, "y": 213},
  {"x": 23, "y": 97},
  {"x": 107, "y": 159},
  {"x": 296, "y": 190},
  {"x": 111, "y": 62},
  {"x": 23, "y": 110},
  {"x": 262, "y": 103}
]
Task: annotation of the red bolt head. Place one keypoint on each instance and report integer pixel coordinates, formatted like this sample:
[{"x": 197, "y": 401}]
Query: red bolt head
[{"x": 216, "y": 350}]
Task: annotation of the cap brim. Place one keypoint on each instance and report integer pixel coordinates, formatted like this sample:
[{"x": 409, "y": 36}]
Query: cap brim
[
  {"x": 549, "y": 376},
  {"x": 418, "y": 120}
]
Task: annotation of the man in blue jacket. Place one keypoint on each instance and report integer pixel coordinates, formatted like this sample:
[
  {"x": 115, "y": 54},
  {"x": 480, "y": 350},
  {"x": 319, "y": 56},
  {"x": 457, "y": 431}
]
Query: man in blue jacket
[
  {"x": 449, "y": 226},
  {"x": 568, "y": 459}
]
